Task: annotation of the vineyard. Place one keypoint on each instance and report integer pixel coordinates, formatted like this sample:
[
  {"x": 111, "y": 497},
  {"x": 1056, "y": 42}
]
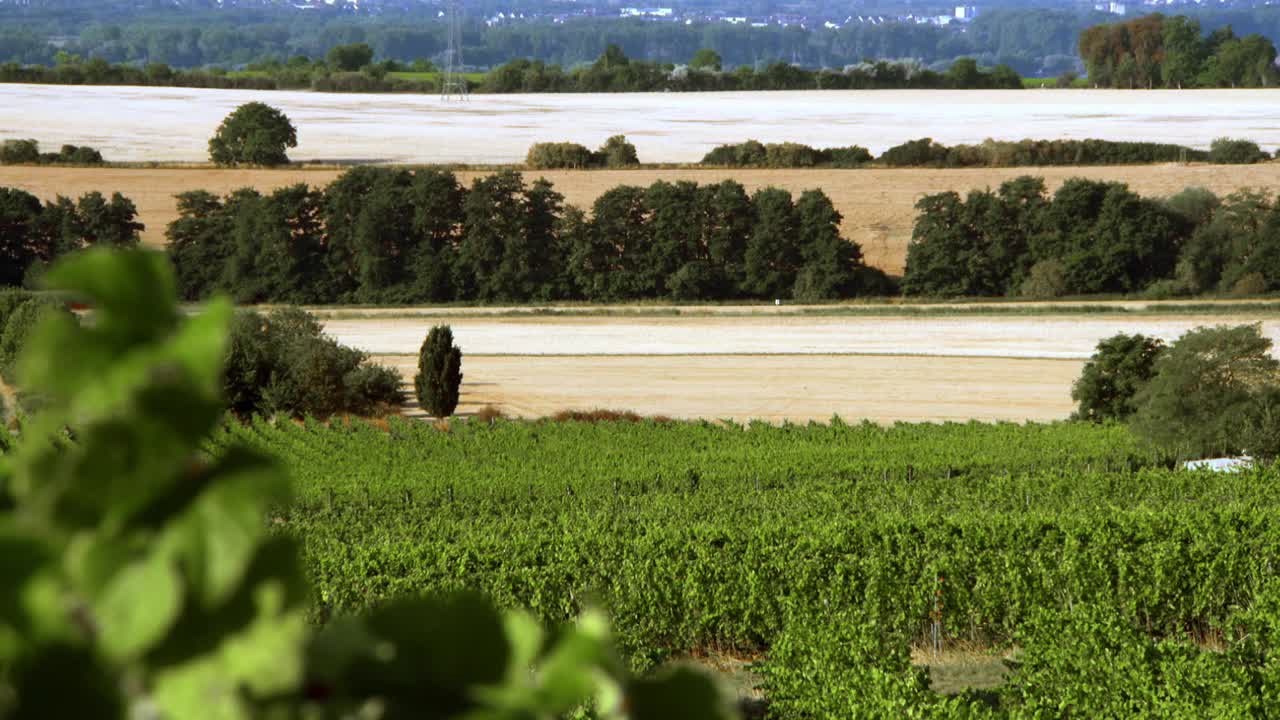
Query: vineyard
[{"x": 1117, "y": 586}]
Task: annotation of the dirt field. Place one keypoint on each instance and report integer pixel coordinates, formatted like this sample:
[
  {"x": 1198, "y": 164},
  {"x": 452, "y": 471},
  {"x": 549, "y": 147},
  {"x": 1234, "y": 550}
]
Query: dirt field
[
  {"x": 773, "y": 387},
  {"x": 878, "y": 205}
]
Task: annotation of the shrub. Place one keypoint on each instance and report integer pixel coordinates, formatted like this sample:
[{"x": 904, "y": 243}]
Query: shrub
[
  {"x": 1046, "y": 279},
  {"x": 550, "y": 156},
  {"x": 16, "y": 152},
  {"x": 490, "y": 414},
  {"x": 18, "y": 326},
  {"x": 283, "y": 363},
  {"x": 790, "y": 155},
  {"x": 1230, "y": 151},
  {"x": 1120, "y": 367},
  {"x": 849, "y": 157},
  {"x": 1250, "y": 284},
  {"x": 616, "y": 153},
  {"x": 915, "y": 153},
  {"x": 10, "y": 300},
  {"x": 79, "y": 155},
  {"x": 439, "y": 375}
]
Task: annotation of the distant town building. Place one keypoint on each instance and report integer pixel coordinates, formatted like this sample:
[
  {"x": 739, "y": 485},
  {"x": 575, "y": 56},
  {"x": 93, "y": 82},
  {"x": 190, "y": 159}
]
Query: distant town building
[
  {"x": 1115, "y": 8},
  {"x": 647, "y": 12},
  {"x": 966, "y": 12}
]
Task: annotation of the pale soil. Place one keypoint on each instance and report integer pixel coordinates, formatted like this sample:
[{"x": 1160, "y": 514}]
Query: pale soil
[
  {"x": 1043, "y": 337},
  {"x": 878, "y": 205},
  {"x": 774, "y": 387}
]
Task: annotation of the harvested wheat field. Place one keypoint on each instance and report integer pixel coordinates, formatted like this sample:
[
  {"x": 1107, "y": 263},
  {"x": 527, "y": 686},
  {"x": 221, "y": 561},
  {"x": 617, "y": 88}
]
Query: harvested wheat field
[
  {"x": 884, "y": 369},
  {"x": 878, "y": 205},
  {"x": 796, "y": 388}
]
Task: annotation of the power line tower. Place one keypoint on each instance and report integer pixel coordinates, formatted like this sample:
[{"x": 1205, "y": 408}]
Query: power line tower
[{"x": 453, "y": 84}]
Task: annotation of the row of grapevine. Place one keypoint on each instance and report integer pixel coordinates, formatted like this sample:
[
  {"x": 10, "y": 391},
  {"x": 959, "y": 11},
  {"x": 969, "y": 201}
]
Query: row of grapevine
[{"x": 763, "y": 538}]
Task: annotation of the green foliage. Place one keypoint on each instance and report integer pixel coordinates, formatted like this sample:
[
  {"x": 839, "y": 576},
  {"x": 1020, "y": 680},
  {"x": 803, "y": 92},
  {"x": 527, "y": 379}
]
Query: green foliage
[
  {"x": 1003, "y": 153},
  {"x": 615, "y": 153},
  {"x": 139, "y": 576},
  {"x": 1110, "y": 667},
  {"x": 439, "y": 375},
  {"x": 17, "y": 152},
  {"x": 1090, "y": 237},
  {"x": 1229, "y": 151},
  {"x": 282, "y": 363},
  {"x": 786, "y": 155},
  {"x": 389, "y": 235},
  {"x": 706, "y": 59},
  {"x": 349, "y": 58},
  {"x": 545, "y": 156},
  {"x": 1204, "y": 390},
  {"x": 26, "y": 311},
  {"x": 1159, "y": 51},
  {"x": 1045, "y": 279},
  {"x": 1119, "y": 368},
  {"x": 253, "y": 134}
]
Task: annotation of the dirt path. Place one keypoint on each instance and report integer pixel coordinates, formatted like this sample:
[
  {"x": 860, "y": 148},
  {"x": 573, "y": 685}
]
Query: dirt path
[{"x": 878, "y": 205}]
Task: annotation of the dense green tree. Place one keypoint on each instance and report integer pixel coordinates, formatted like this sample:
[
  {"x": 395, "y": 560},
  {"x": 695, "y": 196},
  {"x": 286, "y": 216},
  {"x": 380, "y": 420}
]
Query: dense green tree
[
  {"x": 437, "y": 199},
  {"x": 349, "y": 58},
  {"x": 1204, "y": 388},
  {"x": 772, "y": 259},
  {"x": 706, "y": 59},
  {"x": 253, "y": 134},
  {"x": 830, "y": 264},
  {"x": 20, "y": 214},
  {"x": 494, "y": 261},
  {"x": 609, "y": 263},
  {"x": 1120, "y": 367},
  {"x": 439, "y": 377},
  {"x": 1155, "y": 50},
  {"x": 198, "y": 244}
]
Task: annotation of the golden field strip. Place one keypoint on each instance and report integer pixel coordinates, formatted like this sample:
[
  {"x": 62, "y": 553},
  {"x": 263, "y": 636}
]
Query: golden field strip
[
  {"x": 760, "y": 365},
  {"x": 877, "y": 204}
]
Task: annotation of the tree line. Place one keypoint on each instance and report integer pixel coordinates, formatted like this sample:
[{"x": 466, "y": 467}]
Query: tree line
[
  {"x": 925, "y": 152},
  {"x": 33, "y": 234},
  {"x": 394, "y": 236},
  {"x": 1092, "y": 237},
  {"x": 1173, "y": 52},
  {"x": 614, "y": 71},
  {"x": 27, "y": 152},
  {"x": 351, "y": 68},
  {"x": 1040, "y": 42}
]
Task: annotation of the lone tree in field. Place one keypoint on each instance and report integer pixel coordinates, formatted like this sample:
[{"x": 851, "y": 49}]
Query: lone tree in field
[
  {"x": 254, "y": 134},
  {"x": 1120, "y": 367},
  {"x": 439, "y": 372}
]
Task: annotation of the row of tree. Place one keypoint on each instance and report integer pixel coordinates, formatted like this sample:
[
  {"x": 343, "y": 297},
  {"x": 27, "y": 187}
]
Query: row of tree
[
  {"x": 1092, "y": 237},
  {"x": 925, "y": 152},
  {"x": 382, "y": 235},
  {"x": 27, "y": 152},
  {"x": 1033, "y": 41},
  {"x": 33, "y": 234},
  {"x": 1172, "y": 52},
  {"x": 350, "y": 68},
  {"x": 613, "y": 71}
]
